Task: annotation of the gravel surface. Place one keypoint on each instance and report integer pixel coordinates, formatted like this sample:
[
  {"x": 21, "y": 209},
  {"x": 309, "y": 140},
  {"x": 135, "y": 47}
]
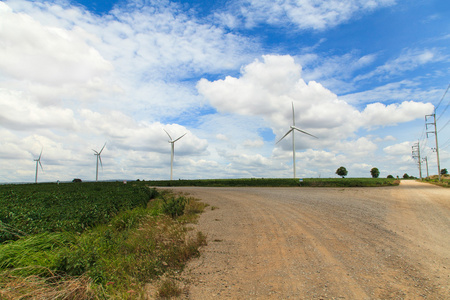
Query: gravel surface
[{"x": 322, "y": 243}]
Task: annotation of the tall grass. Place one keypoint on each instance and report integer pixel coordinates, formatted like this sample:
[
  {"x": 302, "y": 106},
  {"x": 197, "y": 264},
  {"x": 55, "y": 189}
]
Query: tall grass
[{"x": 113, "y": 260}]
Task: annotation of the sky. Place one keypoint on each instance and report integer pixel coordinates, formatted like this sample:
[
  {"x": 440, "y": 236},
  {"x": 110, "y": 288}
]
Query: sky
[{"x": 361, "y": 75}]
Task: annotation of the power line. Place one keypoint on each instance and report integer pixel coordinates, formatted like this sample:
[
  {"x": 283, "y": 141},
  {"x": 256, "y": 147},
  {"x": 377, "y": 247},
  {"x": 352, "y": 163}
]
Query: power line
[
  {"x": 445, "y": 144},
  {"x": 442, "y": 98},
  {"x": 444, "y": 125}
]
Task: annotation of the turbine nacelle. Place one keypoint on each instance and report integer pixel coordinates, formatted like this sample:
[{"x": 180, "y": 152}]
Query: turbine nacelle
[{"x": 171, "y": 141}]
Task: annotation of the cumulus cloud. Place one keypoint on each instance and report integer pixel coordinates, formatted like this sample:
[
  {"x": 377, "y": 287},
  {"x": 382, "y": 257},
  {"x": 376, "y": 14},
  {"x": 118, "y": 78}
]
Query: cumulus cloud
[
  {"x": 19, "y": 111},
  {"x": 127, "y": 134},
  {"x": 44, "y": 54},
  {"x": 267, "y": 88},
  {"x": 398, "y": 149},
  {"x": 379, "y": 114}
]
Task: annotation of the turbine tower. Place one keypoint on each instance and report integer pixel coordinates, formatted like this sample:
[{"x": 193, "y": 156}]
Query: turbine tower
[
  {"x": 292, "y": 129},
  {"x": 38, "y": 161},
  {"x": 99, "y": 158},
  {"x": 172, "y": 142}
]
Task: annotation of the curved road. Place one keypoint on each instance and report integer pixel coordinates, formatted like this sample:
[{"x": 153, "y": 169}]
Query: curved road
[{"x": 323, "y": 243}]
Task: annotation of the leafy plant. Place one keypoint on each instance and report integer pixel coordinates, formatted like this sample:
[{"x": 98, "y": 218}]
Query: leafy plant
[
  {"x": 112, "y": 260},
  {"x": 174, "y": 206},
  {"x": 31, "y": 209}
]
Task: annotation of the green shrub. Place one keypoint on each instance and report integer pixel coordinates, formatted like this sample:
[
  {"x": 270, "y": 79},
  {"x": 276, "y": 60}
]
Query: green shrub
[{"x": 174, "y": 206}]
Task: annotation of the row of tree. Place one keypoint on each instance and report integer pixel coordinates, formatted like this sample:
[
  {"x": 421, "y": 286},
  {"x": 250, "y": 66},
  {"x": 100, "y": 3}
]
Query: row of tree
[{"x": 342, "y": 171}]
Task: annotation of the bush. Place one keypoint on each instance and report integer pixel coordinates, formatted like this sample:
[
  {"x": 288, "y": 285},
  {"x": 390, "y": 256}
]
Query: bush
[
  {"x": 173, "y": 207},
  {"x": 390, "y": 176}
]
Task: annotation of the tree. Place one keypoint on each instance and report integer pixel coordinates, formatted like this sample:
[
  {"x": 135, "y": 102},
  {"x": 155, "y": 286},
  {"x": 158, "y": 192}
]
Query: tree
[
  {"x": 444, "y": 172},
  {"x": 375, "y": 172},
  {"x": 341, "y": 171},
  {"x": 390, "y": 176},
  {"x": 405, "y": 176}
]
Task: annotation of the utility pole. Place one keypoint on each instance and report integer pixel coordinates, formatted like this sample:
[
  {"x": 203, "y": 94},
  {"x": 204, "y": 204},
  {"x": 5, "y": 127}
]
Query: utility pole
[
  {"x": 433, "y": 124},
  {"x": 425, "y": 159},
  {"x": 416, "y": 154}
]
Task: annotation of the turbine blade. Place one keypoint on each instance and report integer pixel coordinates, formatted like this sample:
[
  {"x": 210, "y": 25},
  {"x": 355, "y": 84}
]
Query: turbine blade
[
  {"x": 41, "y": 165},
  {"x": 180, "y": 137},
  {"x": 284, "y": 136},
  {"x": 96, "y": 153},
  {"x": 168, "y": 134},
  {"x": 40, "y": 154},
  {"x": 100, "y": 158},
  {"x": 102, "y": 148},
  {"x": 302, "y": 131},
  {"x": 293, "y": 115}
]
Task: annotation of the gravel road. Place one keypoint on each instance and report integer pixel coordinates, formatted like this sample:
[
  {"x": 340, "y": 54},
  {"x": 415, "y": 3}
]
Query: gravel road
[{"x": 323, "y": 243}]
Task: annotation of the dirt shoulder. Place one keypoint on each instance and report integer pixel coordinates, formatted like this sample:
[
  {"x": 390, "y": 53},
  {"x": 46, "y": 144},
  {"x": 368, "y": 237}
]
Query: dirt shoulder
[{"x": 323, "y": 243}]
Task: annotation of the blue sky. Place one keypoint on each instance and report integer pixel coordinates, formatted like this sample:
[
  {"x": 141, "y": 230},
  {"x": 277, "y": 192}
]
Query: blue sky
[{"x": 362, "y": 75}]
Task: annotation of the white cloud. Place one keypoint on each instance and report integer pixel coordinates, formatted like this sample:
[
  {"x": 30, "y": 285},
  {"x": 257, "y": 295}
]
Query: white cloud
[
  {"x": 267, "y": 89},
  {"x": 222, "y": 137},
  {"x": 398, "y": 149},
  {"x": 394, "y": 91},
  {"x": 360, "y": 147},
  {"x": 409, "y": 59},
  {"x": 253, "y": 143},
  {"x": 379, "y": 114},
  {"x": 305, "y": 14},
  {"x": 18, "y": 111},
  {"x": 48, "y": 55}
]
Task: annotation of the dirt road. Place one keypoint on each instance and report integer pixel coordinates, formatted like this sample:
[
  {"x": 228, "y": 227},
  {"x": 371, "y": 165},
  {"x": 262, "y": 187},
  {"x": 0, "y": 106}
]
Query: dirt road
[{"x": 323, "y": 243}]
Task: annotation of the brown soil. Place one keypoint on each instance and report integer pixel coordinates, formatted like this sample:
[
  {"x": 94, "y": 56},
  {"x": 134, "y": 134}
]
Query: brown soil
[{"x": 323, "y": 243}]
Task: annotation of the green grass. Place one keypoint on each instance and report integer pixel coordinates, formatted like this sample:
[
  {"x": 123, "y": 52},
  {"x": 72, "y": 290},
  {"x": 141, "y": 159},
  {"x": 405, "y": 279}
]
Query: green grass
[
  {"x": 445, "y": 180},
  {"x": 280, "y": 182},
  {"x": 110, "y": 260}
]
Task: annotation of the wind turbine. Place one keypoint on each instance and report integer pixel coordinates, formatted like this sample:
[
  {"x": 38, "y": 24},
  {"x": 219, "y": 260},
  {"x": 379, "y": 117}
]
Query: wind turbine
[
  {"x": 172, "y": 142},
  {"x": 98, "y": 158},
  {"x": 38, "y": 161},
  {"x": 292, "y": 129}
]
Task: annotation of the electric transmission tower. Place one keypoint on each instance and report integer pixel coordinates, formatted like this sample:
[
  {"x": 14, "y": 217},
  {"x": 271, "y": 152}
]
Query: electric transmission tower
[
  {"x": 433, "y": 125},
  {"x": 416, "y": 154}
]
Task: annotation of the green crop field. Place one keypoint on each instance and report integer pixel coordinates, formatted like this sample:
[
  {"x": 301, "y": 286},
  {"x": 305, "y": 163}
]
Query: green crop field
[
  {"x": 280, "y": 182},
  {"x": 92, "y": 240},
  {"x": 49, "y": 207}
]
